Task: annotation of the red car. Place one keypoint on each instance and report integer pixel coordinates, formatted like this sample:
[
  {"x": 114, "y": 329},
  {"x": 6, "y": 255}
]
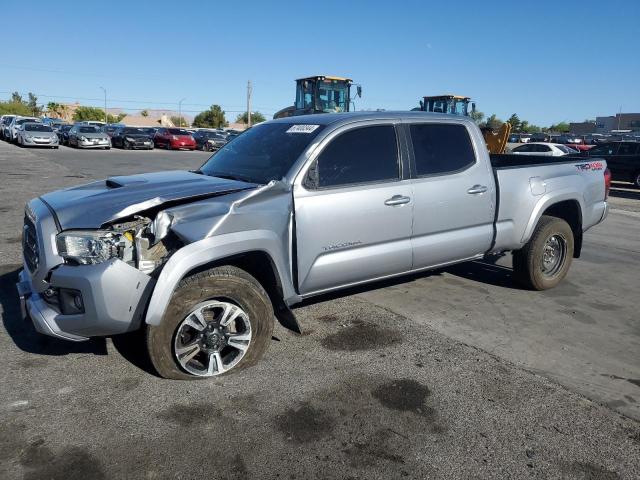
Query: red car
[{"x": 174, "y": 139}]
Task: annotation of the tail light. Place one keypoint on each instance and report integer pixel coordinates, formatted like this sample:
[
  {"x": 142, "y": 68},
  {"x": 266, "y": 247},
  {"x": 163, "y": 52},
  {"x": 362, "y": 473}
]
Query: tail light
[{"x": 607, "y": 182}]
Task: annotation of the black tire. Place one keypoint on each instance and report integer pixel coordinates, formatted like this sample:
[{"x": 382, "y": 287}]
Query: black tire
[
  {"x": 528, "y": 261},
  {"x": 636, "y": 179},
  {"x": 229, "y": 283},
  {"x": 168, "y": 146},
  {"x": 125, "y": 145}
]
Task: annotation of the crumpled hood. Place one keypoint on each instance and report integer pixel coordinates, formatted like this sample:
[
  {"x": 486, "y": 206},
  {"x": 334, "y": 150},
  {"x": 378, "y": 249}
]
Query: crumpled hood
[{"x": 94, "y": 204}]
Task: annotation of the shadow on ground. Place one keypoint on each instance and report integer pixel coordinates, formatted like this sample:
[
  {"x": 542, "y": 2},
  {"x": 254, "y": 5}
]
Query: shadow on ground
[
  {"x": 624, "y": 193},
  {"x": 22, "y": 332}
]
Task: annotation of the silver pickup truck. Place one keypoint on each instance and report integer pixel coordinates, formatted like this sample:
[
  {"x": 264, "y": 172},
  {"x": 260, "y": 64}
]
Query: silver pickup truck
[{"x": 292, "y": 208}]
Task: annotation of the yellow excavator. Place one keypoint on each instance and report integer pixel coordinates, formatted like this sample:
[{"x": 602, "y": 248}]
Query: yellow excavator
[
  {"x": 460, "y": 105},
  {"x": 321, "y": 94}
]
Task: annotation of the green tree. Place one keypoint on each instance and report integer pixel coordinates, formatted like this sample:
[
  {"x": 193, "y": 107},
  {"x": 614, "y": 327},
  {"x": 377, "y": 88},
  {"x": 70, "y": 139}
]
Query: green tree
[
  {"x": 514, "y": 120},
  {"x": 477, "y": 116},
  {"x": 88, "y": 113},
  {"x": 54, "y": 108},
  {"x": 212, "y": 118},
  {"x": 493, "y": 122},
  {"x": 562, "y": 127},
  {"x": 33, "y": 104},
  {"x": 114, "y": 118},
  {"x": 16, "y": 98},
  {"x": 144, "y": 113},
  {"x": 14, "y": 108},
  {"x": 179, "y": 121},
  {"x": 256, "y": 117}
]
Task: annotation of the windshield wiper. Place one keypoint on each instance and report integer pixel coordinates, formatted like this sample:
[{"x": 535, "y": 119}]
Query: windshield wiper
[{"x": 230, "y": 176}]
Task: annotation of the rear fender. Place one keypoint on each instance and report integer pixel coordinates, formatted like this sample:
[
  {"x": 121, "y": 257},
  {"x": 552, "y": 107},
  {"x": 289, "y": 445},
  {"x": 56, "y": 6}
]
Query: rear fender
[{"x": 545, "y": 202}]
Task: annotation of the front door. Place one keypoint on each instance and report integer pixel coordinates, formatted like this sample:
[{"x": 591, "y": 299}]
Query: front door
[{"x": 353, "y": 212}]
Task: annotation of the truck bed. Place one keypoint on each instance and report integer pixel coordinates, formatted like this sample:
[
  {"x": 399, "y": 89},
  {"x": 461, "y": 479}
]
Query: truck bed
[
  {"x": 529, "y": 183},
  {"x": 510, "y": 160}
]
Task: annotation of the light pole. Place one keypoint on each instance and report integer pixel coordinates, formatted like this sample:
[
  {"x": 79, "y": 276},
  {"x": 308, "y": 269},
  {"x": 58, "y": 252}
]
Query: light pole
[
  {"x": 180, "y": 111},
  {"x": 105, "y": 104}
]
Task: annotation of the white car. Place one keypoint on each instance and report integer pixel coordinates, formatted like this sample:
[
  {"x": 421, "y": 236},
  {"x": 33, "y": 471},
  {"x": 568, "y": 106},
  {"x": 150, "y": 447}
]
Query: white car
[
  {"x": 16, "y": 123},
  {"x": 542, "y": 148}
]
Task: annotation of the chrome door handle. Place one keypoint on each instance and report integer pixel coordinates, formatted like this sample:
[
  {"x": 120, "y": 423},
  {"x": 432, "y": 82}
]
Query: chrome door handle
[
  {"x": 477, "y": 189},
  {"x": 397, "y": 200}
]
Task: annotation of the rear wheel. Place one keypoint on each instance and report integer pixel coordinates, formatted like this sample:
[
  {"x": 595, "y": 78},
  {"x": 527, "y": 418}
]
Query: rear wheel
[
  {"x": 545, "y": 260},
  {"x": 218, "y": 322}
]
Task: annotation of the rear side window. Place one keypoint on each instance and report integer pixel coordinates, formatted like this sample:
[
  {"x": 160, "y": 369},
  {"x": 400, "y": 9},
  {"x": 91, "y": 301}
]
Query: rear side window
[
  {"x": 440, "y": 149},
  {"x": 628, "y": 148},
  {"x": 362, "y": 155}
]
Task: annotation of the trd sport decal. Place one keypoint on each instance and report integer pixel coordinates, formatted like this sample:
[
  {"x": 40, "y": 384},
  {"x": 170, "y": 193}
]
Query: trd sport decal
[{"x": 590, "y": 166}]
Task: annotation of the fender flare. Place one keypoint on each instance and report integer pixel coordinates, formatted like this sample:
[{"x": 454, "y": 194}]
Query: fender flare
[
  {"x": 209, "y": 250},
  {"x": 547, "y": 201}
]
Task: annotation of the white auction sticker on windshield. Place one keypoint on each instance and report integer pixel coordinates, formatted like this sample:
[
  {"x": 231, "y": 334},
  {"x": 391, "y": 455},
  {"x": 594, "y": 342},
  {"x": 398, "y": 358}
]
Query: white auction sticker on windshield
[{"x": 302, "y": 128}]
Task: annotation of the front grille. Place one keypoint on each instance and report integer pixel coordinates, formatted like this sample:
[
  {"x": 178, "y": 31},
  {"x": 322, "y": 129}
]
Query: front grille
[{"x": 30, "y": 244}]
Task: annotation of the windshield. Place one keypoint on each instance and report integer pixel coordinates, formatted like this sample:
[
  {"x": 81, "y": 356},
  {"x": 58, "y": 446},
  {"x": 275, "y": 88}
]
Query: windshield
[
  {"x": 89, "y": 130},
  {"x": 566, "y": 149},
  {"x": 447, "y": 105},
  {"x": 135, "y": 131},
  {"x": 66, "y": 128},
  {"x": 25, "y": 120},
  {"x": 177, "y": 131},
  {"x": 333, "y": 96},
  {"x": 263, "y": 153},
  {"x": 37, "y": 127}
]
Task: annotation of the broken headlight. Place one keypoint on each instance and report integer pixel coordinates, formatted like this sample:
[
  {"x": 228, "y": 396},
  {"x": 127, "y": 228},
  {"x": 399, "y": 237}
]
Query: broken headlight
[{"x": 88, "y": 247}]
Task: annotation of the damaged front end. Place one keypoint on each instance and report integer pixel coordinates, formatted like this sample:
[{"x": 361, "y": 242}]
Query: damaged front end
[{"x": 141, "y": 243}]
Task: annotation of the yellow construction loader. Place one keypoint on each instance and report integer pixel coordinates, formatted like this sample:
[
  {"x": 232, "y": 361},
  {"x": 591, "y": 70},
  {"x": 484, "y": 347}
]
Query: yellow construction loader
[
  {"x": 321, "y": 94},
  {"x": 460, "y": 105}
]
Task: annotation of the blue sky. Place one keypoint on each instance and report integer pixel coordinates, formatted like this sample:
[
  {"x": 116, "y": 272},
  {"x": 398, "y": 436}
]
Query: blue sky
[{"x": 546, "y": 60}]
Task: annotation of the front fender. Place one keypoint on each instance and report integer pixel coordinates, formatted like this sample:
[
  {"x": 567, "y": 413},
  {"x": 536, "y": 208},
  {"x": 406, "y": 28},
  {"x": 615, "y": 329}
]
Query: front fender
[{"x": 209, "y": 250}]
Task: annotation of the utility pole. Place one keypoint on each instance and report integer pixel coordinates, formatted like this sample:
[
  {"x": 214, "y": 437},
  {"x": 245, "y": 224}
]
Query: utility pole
[
  {"x": 249, "y": 92},
  {"x": 180, "y": 112},
  {"x": 619, "y": 117},
  {"x": 105, "y": 104}
]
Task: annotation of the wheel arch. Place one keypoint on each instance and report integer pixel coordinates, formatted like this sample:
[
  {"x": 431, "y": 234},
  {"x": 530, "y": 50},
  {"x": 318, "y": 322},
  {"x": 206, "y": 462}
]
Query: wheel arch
[
  {"x": 260, "y": 256},
  {"x": 569, "y": 209}
]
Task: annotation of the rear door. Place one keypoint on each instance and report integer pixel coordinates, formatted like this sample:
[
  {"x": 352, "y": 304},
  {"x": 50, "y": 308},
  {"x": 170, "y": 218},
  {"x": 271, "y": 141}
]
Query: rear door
[
  {"x": 353, "y": 211},
  {"x": 626, "y": 160},
  {"x": 454, "y": 195}
]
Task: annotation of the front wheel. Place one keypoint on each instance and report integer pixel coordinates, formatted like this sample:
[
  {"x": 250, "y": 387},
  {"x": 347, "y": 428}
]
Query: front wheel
[
  {"x": 545, "y": 260},
  {"x": 218, "y": 322}
]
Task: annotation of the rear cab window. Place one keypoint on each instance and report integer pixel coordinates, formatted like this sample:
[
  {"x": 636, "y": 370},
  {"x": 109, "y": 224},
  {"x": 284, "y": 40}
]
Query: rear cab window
[
  {"x": 361, "y": 155},
  {"x": 441, "y": 149}
]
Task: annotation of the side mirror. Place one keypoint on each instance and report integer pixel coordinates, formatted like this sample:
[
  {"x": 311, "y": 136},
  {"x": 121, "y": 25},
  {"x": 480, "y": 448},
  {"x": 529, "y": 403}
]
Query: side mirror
[{"x": 359, "y": 91}]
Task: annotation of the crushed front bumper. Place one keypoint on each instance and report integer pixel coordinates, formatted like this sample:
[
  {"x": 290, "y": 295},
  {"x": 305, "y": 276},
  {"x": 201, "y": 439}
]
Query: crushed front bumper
[{"x": 114, "y": 297}]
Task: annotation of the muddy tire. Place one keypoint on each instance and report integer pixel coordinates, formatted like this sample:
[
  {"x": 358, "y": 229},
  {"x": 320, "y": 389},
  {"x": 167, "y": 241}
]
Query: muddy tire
[
  {"x": 195, "y": 317},
  {"x": 545, "y": 260}
]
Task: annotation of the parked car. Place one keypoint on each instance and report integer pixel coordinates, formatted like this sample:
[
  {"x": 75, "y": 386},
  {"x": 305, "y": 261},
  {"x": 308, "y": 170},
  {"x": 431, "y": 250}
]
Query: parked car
[
  {"x": 209, "y": 141},
  {"x": 15, "y": 124},
  {"x": 623, "y": 159},
  {"x": 543, "y": 148},
  {"x": 540, "y": 137},
  {"x": 132, "y": 138},
  {"x": 36, "y": 135},
  {"x": 174, "y": 139},
  {"x": 88, "y": 136},
  {"x": 63, "y": 134},
  {"x": 291, "y": 209},
  {"x": 112, "y": 127},
  {"x": 92, "y": 123},
  {"x": 5, "y": 121}
]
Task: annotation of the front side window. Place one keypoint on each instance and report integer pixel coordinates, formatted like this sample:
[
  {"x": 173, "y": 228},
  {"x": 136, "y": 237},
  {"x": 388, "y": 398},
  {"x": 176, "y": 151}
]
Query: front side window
[
  {"x": 523, "y": 148},
  {"x": 361, "y": 155},
  {"x": 304, "y": 95},
  {"x": 37, "y": 127},
  {"x": 440, "y": 148},
  {"x": 605, "y": 149}
]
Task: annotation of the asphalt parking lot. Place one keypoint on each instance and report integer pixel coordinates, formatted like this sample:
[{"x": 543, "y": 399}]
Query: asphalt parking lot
[{"x": 453, "y": 374}]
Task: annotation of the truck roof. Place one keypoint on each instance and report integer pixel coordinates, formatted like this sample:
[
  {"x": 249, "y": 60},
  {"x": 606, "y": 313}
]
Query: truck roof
[{"x": 348, "y": 117}]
